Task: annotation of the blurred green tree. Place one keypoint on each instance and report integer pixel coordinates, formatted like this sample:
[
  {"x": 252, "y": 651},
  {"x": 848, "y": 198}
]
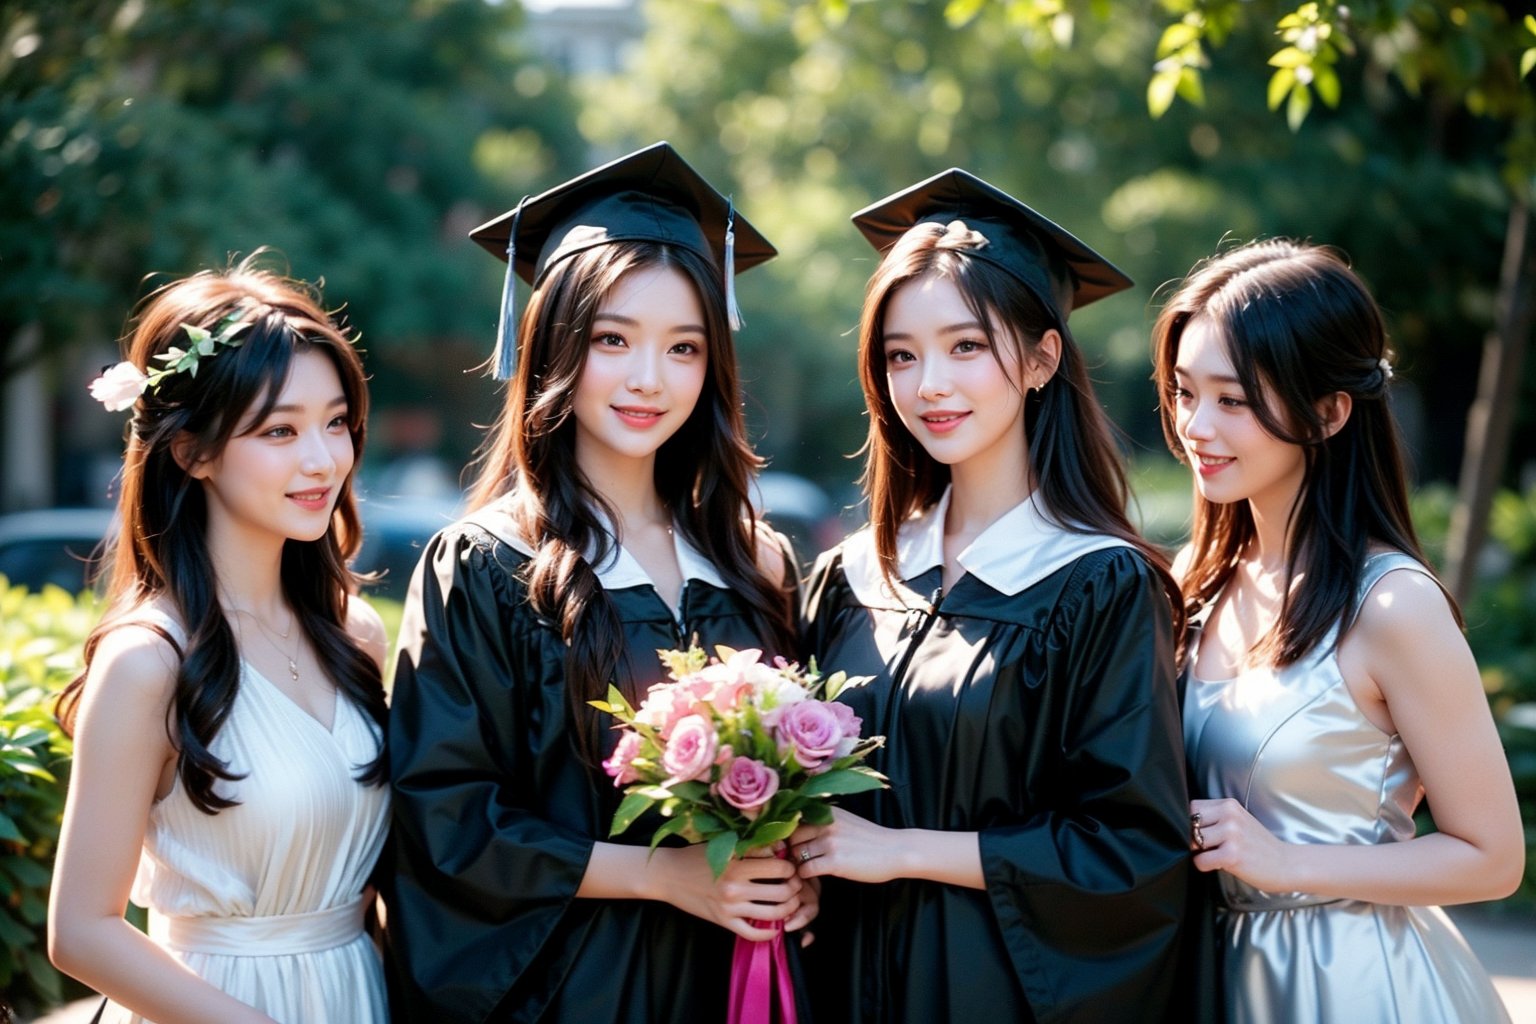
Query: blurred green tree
[
  {"x": 1467, "y": 58},
  {"x": 360, "y": 138},
  {"x": 815, "y": 108}
]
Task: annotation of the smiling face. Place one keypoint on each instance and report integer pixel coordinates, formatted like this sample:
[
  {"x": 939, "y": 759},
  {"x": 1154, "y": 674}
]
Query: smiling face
[
  {"x": 644, "y": 371},
  {"x": 279, "y": 479},
  {"x": 1233, "y": 457},
  {"x": 961, "y": 400}
]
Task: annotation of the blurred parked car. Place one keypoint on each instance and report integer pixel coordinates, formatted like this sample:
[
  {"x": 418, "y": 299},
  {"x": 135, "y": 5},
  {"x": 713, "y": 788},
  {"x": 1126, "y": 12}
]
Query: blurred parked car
[
  {"x": 58, "y": 545},
  {"x": 52, "y": 545},
  {"x": 799, "y": 509},
  {"x": 394, "y": 534}
]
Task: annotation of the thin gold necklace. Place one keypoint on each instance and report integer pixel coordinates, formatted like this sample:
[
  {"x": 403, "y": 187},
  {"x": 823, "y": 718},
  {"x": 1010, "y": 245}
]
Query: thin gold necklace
[{"x": 293, "y": 665}]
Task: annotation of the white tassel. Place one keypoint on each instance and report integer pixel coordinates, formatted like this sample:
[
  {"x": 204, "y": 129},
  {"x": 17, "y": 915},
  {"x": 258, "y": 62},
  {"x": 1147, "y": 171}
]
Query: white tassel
[
  {"x": 732, "y": 310},
  {"x": 504, "y": 359}
]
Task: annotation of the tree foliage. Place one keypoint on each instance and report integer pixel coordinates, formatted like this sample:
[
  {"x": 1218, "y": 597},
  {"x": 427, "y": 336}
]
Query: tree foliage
[
  {"x": 358, "y": 137},
  {"x": 813, "y": 108}
]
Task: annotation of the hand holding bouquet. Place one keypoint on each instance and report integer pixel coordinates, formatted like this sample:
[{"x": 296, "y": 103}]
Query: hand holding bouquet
[{"x": 736, "y": 753}]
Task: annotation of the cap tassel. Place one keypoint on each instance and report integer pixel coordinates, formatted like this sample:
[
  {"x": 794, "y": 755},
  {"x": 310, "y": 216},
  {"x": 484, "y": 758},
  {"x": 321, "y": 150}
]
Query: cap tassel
[
  {"x": 732, "y": 310},
  {"x": 504, "y": 359}
]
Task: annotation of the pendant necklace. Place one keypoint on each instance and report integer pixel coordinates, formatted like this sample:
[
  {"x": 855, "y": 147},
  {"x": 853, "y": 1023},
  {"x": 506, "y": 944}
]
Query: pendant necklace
[{"x": 293, "y": 665}]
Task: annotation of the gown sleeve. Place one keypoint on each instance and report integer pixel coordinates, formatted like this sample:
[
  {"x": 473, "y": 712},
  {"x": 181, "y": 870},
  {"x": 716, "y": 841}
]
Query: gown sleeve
[
  {"x": 480, "y": 882},
  {"x": 1090, "y": 893}
]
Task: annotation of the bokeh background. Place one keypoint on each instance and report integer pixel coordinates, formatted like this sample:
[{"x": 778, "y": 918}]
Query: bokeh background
[{"x": 362, "y": 139}]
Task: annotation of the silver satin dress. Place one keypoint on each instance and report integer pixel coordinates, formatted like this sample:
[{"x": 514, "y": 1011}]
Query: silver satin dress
[{"x": 1291, "y": 745}]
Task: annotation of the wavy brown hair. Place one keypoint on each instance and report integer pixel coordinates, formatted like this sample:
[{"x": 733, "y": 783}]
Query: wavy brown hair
[
  {"x": 1072, "y": 454},
  {"x": 160, "y": 551},
  {"x": 1299, "y": 327},
  {"x": 702, "y": 472}
]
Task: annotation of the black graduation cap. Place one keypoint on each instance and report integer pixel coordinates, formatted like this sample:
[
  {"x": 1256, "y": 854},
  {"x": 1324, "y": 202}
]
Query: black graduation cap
[
  {"x": 649, "y": 195},
  {"x": 1061, "y": 271}
]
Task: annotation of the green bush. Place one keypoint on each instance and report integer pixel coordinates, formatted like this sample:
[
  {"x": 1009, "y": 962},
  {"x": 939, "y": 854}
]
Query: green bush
[
  {"x": 41, "y": 637},
  {"x": 1501, "y": 626}
]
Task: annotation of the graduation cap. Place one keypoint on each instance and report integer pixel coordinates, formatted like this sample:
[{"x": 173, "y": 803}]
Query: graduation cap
[
  {"x": 1061, "y": 271},
  {"x": 650, "y": 195}
]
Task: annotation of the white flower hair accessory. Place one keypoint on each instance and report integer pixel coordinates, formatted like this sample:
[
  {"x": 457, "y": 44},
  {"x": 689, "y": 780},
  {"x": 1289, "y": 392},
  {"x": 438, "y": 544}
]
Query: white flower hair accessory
[{"x": 120, "y": 386}]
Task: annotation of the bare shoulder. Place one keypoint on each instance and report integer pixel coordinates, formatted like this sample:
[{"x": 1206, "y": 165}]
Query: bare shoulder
[
  {"x": 774, "y": 553},
  {"x": 133, "y": 669},
  {"x": 1411, "y": 644},
  {"x": 1405, "y": 607},
  {"x": 365, "y": 625}
]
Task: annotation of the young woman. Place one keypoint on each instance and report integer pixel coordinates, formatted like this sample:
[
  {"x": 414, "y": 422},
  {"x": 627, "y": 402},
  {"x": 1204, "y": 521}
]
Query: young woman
[
  {"x": 611, "y": 519},
  {"x": 1029, "y": 860},
  {"x": 228, "y": 772},
  {"x": 1329, "y": 688}
]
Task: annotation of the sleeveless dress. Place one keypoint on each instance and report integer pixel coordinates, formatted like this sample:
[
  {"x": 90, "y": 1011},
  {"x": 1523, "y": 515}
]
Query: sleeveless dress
[
  {"x": 1291, "y": 745},
  {"x": 264, "y": 900}
]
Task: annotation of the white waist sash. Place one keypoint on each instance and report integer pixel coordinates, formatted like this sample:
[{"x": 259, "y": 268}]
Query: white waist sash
[{"x": 275, "y": 935}]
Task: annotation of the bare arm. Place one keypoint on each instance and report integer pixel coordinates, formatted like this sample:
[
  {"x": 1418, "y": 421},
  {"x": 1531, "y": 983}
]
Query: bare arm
[
  {"x": 1407, "y": 650},
  {"x": 365, "y": 626},
  {"x": 857, "y": 849},
  {"x": 121, "y": 751}
]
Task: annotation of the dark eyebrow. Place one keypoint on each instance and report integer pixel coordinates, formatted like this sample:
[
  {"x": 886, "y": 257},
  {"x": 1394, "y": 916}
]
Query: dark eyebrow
[
  {"x": 968, "y": 325},
  {"x": 629, "y": 321},
  {"x": 338, "y": 400},
  {"x": 1220, "y": 378}
]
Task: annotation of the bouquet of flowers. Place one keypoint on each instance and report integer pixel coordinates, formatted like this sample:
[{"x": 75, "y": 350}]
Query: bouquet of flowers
[{"x": 736, "y": 753}]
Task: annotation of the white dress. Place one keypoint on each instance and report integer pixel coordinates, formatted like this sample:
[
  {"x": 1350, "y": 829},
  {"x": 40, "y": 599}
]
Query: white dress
[{"x": 264, "y": 899}]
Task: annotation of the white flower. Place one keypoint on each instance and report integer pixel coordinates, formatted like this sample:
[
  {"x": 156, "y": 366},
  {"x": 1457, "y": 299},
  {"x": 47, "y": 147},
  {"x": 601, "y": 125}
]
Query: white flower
[{"x": 119, "y": 387}]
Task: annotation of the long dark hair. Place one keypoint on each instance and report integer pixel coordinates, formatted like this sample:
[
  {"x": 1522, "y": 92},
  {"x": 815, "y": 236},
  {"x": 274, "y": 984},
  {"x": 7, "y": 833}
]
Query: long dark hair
[
  {"x": 1299, "y": 326},
  {"x": 1072, "y": 452},
  {"x": 160, "y": 551},
  {"x": 702, "y": 472}
]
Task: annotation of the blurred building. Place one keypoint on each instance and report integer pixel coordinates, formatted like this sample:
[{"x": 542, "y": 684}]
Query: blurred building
[{"x": 583, "y": 37}]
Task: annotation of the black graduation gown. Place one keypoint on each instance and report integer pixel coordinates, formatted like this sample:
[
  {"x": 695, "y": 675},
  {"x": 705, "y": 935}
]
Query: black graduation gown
[
  {"x": 1046, "y": 721},
  {"x": 495, "y": 813}
]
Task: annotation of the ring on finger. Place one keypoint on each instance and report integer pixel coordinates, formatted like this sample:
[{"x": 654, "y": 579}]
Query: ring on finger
[
  {"x": 1195, "y": 830},
  {"x": 805, "y": 853}
]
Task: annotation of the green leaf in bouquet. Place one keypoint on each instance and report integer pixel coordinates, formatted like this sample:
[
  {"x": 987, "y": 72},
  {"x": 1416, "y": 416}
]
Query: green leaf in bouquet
[
  {"x": 692, "y": 791},
  {"x": 843, "y": 782},
  {"x": 708, "y": 821},
  {"x": 719, "y": 851},
  {"x": 603, "y": 706},
  {"x": 816, "y": 813},
  {"x": 618, "y": 705},
  {"x": 766, "y": 833},
  {"x": 837, "y": 682},
  {"x": 634, "y": 805},
  {"x": 671, "y": 828},
  {"x": 654, "y": 792}
]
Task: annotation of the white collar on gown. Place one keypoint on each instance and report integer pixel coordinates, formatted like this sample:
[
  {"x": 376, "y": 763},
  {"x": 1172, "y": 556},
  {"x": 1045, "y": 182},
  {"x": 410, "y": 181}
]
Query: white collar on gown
[
  {"x": 620, "y": 569},
  {"x": 1021, "y": 548}
]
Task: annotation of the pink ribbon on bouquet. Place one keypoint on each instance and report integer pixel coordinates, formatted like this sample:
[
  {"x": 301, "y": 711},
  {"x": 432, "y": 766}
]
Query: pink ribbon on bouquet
[{"x": 762, "y": 991}]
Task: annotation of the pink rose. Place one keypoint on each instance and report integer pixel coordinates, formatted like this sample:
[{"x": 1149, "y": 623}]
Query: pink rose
[
  {"x": 665, "y": 705},
  {"x": 851, "y": 725},
  {"x": 810, "y": 731},
  {"x": 119, "y": 387},
  {"x": 690, "y": 750},
  {"x": 747, "y": 785},
  {"x": 728, "y": 694},
  {"x": 621, "y": 764}
]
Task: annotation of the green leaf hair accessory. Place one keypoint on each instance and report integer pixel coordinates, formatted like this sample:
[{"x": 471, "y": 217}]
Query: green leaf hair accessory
[
  {"x": 200, "y": 343},
  {"x": 120, "y": 386}
]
